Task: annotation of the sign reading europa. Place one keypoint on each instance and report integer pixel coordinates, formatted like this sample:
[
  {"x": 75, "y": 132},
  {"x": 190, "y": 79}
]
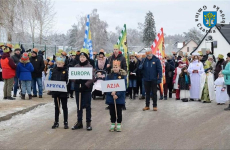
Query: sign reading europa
[
  {"x": 55, "y": 86},
  {"x": 80, "y": 73},
  {"x": 113, "y": 85}
]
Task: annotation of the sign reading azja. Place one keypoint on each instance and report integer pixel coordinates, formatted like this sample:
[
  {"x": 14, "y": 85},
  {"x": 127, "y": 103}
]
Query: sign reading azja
[
  {"x": 55, "y": 86},
  {"x": 80, "y": 73},
  {"x": 113, "y": 85}
]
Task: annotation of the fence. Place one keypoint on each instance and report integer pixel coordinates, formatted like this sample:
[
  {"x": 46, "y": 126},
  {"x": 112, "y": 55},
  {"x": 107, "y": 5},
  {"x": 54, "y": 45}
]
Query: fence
[{"x": 50, "y": 50}]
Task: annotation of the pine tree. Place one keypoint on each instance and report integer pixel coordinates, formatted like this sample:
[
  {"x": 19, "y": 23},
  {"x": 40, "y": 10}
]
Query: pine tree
[{"x": 149, "y": 33}]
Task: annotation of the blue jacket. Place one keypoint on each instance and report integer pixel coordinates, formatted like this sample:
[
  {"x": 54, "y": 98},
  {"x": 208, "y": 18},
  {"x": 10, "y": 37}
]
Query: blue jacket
[
  {"x": 120, "y": 94},
  {"x": 24, "y": 71},
  {"x": 152, "y": 69}
]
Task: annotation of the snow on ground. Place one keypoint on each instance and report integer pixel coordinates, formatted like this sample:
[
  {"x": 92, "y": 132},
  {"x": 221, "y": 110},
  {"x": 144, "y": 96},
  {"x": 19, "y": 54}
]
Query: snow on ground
[{"x": 1, "y": 90}]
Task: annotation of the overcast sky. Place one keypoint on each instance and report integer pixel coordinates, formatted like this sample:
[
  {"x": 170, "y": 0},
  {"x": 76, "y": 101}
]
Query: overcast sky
[{"x": 174, "y": 16}]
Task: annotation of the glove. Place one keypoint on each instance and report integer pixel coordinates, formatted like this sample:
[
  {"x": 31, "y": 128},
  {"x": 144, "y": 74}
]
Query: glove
[{"x": 83, "y": 88}]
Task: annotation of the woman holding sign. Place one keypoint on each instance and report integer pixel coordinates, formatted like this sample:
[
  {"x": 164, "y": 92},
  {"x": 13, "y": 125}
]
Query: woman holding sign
[
  {"x": 83, "y": 90},
  {"x": 116, "y": 99},
  {"x": 60, "y": 73}
]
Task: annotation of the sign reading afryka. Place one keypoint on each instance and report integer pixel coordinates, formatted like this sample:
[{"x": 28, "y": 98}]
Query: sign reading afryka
[
  {"x": 113, "y": 85},
  {"x": 80, "y": 73},
  {"x": 55, "y": 86}
]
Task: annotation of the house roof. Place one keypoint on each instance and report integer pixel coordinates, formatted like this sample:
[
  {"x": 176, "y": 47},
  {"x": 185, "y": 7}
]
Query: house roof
[
  {"x": 186, "y": 45},
  {"x": 224, "y": 31}
]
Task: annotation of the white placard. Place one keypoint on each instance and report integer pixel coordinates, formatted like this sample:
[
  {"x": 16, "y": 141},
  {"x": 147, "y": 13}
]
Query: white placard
[
  {"x": 113, "y": 85},
  {"x": 80, "y": 73},
  {"x": 55, "y": 86}
]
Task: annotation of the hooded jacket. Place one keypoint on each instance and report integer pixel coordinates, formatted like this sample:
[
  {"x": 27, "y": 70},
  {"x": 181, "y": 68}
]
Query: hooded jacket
[
  {"x": 8, "y": 66},
  {"x": 24, "y": 70},
  {"x": 152, "y": 69},
  {"x": 38, "y": 65},
  {"x": 120, "y": 94},
  {"x": 120, "y": 58}
]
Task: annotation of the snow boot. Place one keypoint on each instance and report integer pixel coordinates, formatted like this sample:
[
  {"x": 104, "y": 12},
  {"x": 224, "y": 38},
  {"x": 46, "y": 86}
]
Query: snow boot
[
  {"x": 118, "y": 127},
  {"x": 78, "y": 125},
  {"x": 23, "y": 97},
  {"x": 228, "y": 108},
  {"x": 30, "y": 97},
  {"x": 161, "y": 97},
  {"x": 88, "y": 126},
  {"x": 145, "y": 108},
  {"x": 112, "y": 127},
  {"x": 66, "y": 125},
  {"x": 56, "y": 125}
]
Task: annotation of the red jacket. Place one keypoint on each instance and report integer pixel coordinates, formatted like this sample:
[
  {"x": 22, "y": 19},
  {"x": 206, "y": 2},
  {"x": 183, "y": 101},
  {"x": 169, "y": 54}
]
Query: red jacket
[{"x": 8, "y": 66}]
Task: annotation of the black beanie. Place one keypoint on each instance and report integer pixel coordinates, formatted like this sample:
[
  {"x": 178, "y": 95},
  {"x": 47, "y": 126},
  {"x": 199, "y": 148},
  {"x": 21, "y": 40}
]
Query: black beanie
[
  {"x": 228, "y": 54},
  {"x": 86, "y": 55}
]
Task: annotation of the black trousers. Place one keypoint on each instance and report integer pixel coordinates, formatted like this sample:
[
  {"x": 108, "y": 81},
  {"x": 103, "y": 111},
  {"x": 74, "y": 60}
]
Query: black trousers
[
  {"x": 170, "y": 86},
  {"x": 1, "y": 76},
  {"x": 64, "y": 108},
  {"x": 228, "y": 90},
  {"x": 151, "y": 86},
  {"x": 113, "y": 113},
  {"x": 139, "y": 86},
  {"x": 85, "y": 103}
]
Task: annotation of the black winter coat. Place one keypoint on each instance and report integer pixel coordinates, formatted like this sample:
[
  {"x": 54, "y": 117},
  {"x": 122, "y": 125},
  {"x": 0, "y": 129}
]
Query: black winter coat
[
  {"x": 38, "y": 65},
  {"x": 121, "y": 58},
  {"x": 172, "y": 68},
  {"x": 133, "y": 66},
  {"x": 182, "y": 83},
  {"x": 59, "y": 74}
]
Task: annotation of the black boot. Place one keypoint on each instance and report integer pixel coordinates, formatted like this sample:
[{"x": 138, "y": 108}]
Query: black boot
[
  {"x": 66, "y": 125},
  {"x": 10, "y": 98},
  {"x": 23, "y": 97},
  {"x": 165, "y": 97},
  {"x": 56, "y": 125},
  {"x": 89, "y": 128},
  {"x": 228, "y": 108},
  {"x": 30, "y": 97},
  {"x": 71, "y": 94},
  {"x": 170, "y": 94},
  {"x": 130, "y": 93},
  {"x": 142, "y": 98},
  {"x": 134, "y": 93},
  {"x": 161, "y": 97},
  {"x": 78, "y": 125},
  {"x": 123, "y": 108}
]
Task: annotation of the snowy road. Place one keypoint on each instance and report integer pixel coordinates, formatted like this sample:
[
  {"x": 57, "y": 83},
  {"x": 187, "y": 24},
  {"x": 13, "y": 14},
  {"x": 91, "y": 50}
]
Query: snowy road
[{"x": 176, "y": 125}]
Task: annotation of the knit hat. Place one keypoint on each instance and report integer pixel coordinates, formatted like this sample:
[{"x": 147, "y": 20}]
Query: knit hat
[
  {"x": 220, "y": 56},
  {"x": 35, "y": 51},
  {"x": 115, "y": 46},
  {"x": 85, "y": 52},
  {"x": 228, "y": 54},
  {"x": 102, "y": 52},
  {"x": 17, "y": 47},
  {"x": 60, "y": 59},
  {"x": 6, "y": 49},
  {"x": 25, "y": 56}
]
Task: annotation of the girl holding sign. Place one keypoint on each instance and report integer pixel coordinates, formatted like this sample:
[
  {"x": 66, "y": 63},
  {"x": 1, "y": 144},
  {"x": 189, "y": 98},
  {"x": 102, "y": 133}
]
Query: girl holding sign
[
  {"x": 60, "y": 73},
  {"x": 83, "y": 90},
  {"x": 116, "y": 99}
]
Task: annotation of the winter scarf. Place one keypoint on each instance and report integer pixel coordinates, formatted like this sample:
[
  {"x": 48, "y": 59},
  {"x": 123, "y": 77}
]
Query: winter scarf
[
  {"x": 101, "y": 63},
  {"x": 186, "y": 78}
]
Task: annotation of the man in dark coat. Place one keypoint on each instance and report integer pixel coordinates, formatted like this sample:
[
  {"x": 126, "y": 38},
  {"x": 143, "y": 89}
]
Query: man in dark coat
[
  {"x": 39, "y": 66},
  {"x": 16, "y": 58},
  {"x": 220, "y": 63},
  {"x": 117, "y": 55}
]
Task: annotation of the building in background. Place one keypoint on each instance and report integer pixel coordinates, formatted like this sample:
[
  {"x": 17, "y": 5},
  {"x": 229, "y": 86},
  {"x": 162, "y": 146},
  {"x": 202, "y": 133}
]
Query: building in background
[{"x": 188, "y": 47}]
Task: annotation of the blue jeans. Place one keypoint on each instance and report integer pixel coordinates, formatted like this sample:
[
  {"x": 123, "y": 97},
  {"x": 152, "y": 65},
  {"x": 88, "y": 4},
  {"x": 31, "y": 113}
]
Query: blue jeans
[
  {"x": 132, "y": 83},
  {"x": 26, "y": 87},
  {"x": 16, "y": 85},
  {"x": 143, "y": 87},
  {"x": 39, "y": 82}
]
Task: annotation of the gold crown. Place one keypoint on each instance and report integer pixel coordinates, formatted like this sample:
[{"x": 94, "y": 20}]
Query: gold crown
[{"x": 116, "y": 63}]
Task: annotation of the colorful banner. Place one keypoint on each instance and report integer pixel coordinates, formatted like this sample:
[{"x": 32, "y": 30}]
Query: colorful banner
[
  {"x": 87, "y": 39},
  {"x": 158, "y": 50}
]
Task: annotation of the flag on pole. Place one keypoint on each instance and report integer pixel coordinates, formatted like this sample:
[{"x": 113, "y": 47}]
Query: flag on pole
[
  {"x": 158, "y": 50},
  {"x": 87, "y": 39},
  {"x": 122, "y": 43}
]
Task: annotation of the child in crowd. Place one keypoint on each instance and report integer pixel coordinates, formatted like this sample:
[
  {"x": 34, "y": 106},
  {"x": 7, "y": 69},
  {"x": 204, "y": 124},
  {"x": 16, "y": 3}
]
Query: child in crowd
[
  {"x": 118, "y": 96},
  {"x": 184, "y": 84},
  {"x": 221, "y": 90},
  {"x": 60, "y": 73},
  {"x": 24, "y": 69}
]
